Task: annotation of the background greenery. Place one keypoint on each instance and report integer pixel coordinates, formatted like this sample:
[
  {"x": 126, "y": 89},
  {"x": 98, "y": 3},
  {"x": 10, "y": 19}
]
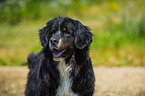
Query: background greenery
[{"x": 118, "y": 27}]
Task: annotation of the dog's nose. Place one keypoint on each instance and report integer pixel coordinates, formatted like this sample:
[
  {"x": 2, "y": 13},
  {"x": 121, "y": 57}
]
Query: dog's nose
[{"x": 54, "y": 41}]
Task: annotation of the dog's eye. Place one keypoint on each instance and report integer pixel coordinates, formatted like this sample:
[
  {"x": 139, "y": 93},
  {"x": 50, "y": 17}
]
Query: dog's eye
[{"x": 67, "y": 32}]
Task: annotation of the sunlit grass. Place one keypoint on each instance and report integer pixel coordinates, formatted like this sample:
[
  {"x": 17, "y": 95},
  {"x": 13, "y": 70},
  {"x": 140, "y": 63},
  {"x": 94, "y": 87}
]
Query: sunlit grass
[
  {"x": 107, "y": 49},
  {"x": 118, "y": 39},
  {"x": 17, "y": 42}
]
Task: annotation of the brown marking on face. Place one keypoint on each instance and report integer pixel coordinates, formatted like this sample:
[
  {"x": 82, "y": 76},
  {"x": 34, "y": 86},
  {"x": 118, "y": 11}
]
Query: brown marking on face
[
  {"x": 64, "y": 45},
  {"x": 64, "y": 29},
  {"x": 54, "y": 29}
]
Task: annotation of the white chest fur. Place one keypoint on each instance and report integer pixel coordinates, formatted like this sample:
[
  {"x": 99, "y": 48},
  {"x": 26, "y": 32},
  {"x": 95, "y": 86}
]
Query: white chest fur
[{"x": 64, "y": 88}]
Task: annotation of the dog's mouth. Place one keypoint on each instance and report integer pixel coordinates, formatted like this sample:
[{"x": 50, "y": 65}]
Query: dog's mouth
[{"x": 57, "y": 54}]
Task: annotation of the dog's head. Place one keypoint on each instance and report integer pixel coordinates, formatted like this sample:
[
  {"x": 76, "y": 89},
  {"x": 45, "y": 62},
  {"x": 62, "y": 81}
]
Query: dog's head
[{"x": 62, "y": 35}]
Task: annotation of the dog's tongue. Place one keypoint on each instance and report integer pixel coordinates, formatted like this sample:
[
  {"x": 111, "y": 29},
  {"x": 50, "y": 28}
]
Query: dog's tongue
[{"x": 57, "y": 54}]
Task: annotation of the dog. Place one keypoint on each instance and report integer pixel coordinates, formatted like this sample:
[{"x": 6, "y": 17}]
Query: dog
[{"x": 63, "y": 66}]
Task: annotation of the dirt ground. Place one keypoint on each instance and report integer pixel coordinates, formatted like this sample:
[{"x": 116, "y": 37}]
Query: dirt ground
[{"x": 124, "y": 81}]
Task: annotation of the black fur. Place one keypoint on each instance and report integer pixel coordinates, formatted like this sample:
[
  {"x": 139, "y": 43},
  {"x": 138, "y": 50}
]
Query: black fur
[{"x": 44, "y": 78}]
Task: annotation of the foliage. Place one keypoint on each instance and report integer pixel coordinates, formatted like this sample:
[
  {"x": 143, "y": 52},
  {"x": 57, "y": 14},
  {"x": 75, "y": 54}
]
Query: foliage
[
  {"x": 142, "y": 26},
  {"x": 13, "y": 11},
  {"x": 118, "y": 28}
]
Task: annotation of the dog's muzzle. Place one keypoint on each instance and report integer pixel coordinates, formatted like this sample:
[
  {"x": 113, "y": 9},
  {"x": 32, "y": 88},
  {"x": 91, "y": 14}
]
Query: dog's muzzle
[{"x": 58, "y": 49}]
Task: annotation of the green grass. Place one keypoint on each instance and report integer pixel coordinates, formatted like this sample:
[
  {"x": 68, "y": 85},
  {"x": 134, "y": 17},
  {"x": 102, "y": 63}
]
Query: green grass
[
  {"x": 119, "y": 36},
  {"x": 117, "y": 50},
  {"x": 17, "y": 42}
]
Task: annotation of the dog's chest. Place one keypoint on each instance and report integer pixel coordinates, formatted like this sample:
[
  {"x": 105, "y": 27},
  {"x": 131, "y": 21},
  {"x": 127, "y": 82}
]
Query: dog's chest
[{"x": 64, "y": 88}]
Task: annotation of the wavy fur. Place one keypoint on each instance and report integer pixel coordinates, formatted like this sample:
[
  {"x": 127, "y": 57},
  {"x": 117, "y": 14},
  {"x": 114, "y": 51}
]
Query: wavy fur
[{"x": 44, "y": 76}]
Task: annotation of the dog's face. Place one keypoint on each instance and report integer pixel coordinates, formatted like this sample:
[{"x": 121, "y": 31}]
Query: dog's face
[
  {"x": 62, "y": 35},
  {"x": 61, "y": 42}
]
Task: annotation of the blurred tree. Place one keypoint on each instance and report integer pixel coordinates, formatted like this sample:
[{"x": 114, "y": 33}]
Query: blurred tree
[{"x": 142, "y": 26}]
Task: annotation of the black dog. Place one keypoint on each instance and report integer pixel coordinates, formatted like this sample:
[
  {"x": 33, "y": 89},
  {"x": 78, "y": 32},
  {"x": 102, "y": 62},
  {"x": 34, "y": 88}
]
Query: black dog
[{"x": 63, "y": 67}]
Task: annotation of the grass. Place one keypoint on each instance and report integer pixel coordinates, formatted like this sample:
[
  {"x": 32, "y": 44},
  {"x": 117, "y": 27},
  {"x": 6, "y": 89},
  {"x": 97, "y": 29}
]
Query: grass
[
  {"x": 17, "y": 42},
  {"x": 118, "y": 35},
  {"x": 107, "y": 49}
]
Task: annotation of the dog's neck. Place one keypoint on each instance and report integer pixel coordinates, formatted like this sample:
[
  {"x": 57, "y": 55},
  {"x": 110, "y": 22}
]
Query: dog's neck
[{"x": 65, "y": 70}]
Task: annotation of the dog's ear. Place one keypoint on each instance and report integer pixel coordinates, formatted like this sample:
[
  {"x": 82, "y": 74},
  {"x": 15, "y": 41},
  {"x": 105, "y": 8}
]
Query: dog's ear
[
  {"x": 44, "y": 34},
  {"x": 83, "y": 36}
]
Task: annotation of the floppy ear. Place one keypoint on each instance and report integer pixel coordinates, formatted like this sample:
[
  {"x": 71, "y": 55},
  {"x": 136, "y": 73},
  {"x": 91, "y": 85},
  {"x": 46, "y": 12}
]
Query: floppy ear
[
  {"x": 83, "y": 36},
  {"x": 44, "y": 34}
]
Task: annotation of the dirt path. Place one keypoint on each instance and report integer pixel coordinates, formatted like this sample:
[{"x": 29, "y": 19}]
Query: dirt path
[
  {"x": 128, "y": 81},
  {"x": 120, "y": 81}
]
